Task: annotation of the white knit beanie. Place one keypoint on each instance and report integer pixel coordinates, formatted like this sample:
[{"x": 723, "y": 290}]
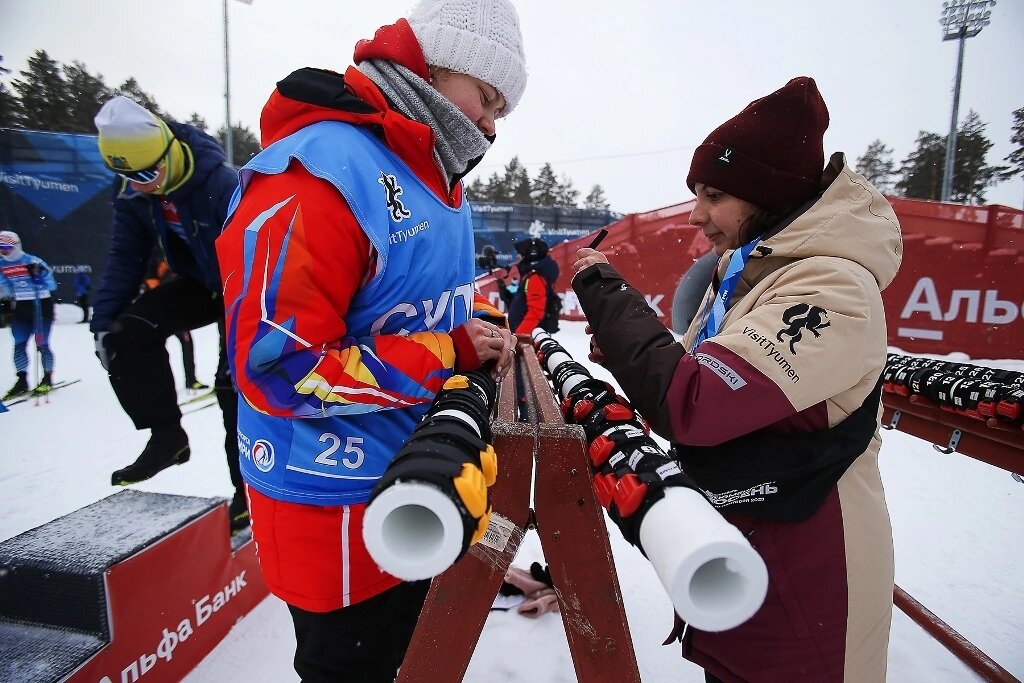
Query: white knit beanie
[{"x": 479, "y": 38}]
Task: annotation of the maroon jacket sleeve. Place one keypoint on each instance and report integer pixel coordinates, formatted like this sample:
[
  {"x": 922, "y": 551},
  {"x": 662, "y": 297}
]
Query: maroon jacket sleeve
[{"x": 684, "y": 396}]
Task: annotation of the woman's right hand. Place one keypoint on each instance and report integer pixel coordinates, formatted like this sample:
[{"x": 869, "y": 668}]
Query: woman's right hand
[{"x": 587, "y": 257}]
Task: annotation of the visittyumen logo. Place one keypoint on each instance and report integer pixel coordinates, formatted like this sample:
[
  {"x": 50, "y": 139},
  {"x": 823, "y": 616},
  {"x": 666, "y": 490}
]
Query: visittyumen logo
[
  {"x": 392, "y": 191},
  {"x": 799, "y": 318}
]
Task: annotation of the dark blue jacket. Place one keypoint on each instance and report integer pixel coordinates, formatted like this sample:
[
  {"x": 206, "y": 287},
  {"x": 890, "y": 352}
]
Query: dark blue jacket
[
  {"x": 83, "y": 283},
  {"x": 202, "y": 204}
]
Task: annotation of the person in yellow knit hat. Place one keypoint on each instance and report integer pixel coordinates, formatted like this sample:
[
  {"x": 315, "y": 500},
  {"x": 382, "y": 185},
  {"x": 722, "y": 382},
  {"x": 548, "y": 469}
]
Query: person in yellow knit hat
[{"x": 172, "y": 189}]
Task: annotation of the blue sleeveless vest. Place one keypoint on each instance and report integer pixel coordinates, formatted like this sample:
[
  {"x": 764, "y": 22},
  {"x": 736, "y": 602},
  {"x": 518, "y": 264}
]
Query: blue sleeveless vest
[{"x": 424, "y": 282}]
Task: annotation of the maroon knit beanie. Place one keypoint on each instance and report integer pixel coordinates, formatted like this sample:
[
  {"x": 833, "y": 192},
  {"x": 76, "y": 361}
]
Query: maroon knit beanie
[{"x": 770, "y": 154}]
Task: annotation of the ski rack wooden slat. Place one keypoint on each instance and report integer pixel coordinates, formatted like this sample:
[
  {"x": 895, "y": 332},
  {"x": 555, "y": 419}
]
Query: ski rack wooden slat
[
  {"x": 991, "y": 443},
  {"x": 988, "y": 442},
  {"x": 573, "y": 535}
]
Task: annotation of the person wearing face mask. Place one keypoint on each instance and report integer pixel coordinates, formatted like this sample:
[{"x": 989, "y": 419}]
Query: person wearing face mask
[
  {"x": 348, "y": 265},
  {"x": 536, "y": 304},
  {"x": 26, "y": 283},
  {"x": 771, "y": 399},
  {"x": 171, "y": 192}
]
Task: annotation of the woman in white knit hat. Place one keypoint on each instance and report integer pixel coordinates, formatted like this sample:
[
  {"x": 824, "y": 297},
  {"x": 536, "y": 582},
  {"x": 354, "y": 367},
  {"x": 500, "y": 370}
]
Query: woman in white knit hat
[{"x": 348, "y": 282}]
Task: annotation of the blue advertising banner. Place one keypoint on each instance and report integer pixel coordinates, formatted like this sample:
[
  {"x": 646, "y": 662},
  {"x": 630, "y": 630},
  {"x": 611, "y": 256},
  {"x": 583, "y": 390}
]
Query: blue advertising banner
[
  {"x": 55, "y": 193},
  {"x": 501, "y": 225}
]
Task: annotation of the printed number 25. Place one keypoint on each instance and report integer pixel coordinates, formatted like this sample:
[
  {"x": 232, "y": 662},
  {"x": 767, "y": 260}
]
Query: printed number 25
[{"x": 351, "y": 446}]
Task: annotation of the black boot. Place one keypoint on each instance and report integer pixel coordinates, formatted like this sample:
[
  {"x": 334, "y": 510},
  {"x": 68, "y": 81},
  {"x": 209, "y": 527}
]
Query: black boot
[
  {"x": 167, "y": 446},
  {"x": 20, "y": 387},
  {"x": 238, "y": 511}
]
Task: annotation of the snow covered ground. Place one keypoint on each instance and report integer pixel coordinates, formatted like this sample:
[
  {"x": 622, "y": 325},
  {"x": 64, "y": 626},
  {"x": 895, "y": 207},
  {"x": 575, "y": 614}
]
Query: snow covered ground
[{"x": 957, "y": 524}]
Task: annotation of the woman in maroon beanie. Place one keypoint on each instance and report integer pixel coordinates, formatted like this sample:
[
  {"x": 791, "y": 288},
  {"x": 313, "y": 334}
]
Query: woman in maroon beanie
[{"x": 771, "y": 398}]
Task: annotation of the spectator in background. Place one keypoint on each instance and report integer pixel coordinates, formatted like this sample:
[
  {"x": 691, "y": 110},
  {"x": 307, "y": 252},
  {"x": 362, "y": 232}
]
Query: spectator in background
[
  {"x": 25, "y": 285},
  {"x": 535, "y": 304},
  {"x": 507, "y": 291},
  {"x": 172, "y": 190},
  {"x": 157, "y": 273},
  {"x": 366, "y": 309},
  {"x": 82, "y": 283}
]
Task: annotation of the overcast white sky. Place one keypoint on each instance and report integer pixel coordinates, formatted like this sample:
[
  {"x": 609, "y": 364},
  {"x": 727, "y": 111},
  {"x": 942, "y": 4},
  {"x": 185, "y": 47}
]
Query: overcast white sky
[{"x": 620, "y": 93}]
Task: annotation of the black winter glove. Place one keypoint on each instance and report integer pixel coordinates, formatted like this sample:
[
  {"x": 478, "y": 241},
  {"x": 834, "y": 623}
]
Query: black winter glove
[
  {"x": 446, "y": 452},
  {"x": 6, "y": 311},
  {"x": 106, "y": 348}
]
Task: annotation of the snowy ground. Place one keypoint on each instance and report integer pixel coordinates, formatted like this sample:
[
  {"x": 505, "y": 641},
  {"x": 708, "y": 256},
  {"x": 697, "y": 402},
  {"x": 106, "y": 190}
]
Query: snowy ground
[{"x": 957, "y": 525}]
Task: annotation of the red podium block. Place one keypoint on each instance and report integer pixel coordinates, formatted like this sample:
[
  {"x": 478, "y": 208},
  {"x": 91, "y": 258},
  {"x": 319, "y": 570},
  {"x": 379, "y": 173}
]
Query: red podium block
[{"x": 137, "y": 584}]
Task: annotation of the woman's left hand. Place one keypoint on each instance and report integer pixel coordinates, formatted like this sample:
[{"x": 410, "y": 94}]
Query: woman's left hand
[
  {"x": 587, "y": 257},
  {"x": 491, "y": 342}
]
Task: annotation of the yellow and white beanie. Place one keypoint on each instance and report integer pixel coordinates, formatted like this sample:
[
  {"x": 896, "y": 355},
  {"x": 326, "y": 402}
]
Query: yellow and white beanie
[{"x": 131, "y": 138}]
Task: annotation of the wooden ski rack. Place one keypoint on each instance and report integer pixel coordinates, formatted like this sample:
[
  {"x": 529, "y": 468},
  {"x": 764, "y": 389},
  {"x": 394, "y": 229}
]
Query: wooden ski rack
[
  {"x": 573, "y": 535},
  {"x": 991, "y": 442}
]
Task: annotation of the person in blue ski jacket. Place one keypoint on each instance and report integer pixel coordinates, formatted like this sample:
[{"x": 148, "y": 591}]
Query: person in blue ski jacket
[
  {"x": 25, "y": 285},
  {"x": 83, "y": 284},
  {"x": 172, "y": 190}
]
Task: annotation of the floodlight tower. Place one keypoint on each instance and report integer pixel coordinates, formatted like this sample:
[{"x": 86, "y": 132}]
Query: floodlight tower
[
  {"x": 229, "y": 143},
  {"x": 960, "y": 20}
]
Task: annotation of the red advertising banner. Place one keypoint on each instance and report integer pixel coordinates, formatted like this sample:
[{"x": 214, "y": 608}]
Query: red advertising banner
[
  {"x": 959, "y": 287},
  {"x": 172, "y": 602}
]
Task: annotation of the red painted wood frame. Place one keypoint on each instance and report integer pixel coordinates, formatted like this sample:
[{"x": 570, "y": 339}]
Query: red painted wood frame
[
  {"x": 991, "y": 442},
  {"x": 573, "y": 535}
]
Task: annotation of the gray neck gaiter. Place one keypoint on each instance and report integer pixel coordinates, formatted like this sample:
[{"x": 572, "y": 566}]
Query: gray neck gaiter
[{"x": 457, "y": 140}]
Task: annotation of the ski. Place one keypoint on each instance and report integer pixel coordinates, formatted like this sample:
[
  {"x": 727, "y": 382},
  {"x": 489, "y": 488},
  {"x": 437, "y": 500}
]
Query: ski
[
  {"x": 193, "y": 407},
  {"x": 212, "y": 393},
  {"x": 30, "y": 395}
]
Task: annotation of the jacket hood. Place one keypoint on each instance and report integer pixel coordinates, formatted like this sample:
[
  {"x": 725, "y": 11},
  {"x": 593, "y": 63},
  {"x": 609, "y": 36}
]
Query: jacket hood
[
  {"x": 310, "y": 95},
  {"x": 396, "y": 43},
  {"x": 850, "y": 220}
]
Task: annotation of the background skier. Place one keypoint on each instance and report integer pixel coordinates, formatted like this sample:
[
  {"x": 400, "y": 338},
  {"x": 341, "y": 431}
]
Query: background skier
[{"x": 25, "y": 285}]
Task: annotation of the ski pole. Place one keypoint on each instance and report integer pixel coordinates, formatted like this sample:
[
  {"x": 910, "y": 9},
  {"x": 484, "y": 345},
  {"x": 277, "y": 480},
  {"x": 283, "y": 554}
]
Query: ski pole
[{"x": 37, "y": 321}]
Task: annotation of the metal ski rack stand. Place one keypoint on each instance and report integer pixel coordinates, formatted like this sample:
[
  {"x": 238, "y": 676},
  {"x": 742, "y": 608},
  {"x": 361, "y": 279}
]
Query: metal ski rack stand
[{"x": 573, "y": 535}]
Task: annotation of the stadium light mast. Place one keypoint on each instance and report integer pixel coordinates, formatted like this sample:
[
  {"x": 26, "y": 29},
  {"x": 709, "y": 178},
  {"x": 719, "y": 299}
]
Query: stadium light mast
[
  {"x": 229, "y": 142},
  {"x": 960, "y": 20}
]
